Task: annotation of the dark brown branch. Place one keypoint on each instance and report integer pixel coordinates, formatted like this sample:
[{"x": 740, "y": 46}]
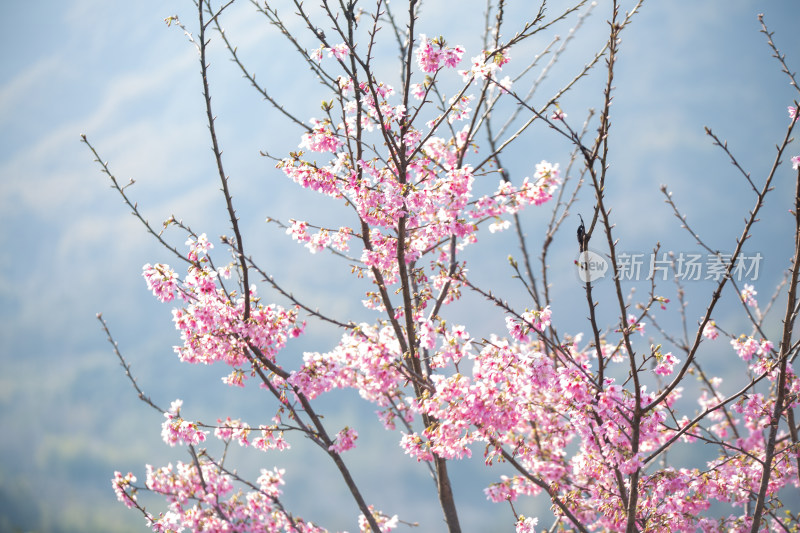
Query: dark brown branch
[
  {"x": 783, "y": 357},
  {"x": 252, "y": 79},
  {"x": 133, "y": 205},
  {"x": 146, "y": 399},
  {"x": 202, "y": 45}
]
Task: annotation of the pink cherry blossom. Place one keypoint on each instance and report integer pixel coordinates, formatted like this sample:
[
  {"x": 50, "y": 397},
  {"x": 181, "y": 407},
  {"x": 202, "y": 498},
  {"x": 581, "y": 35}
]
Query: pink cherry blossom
[
  {"x": 526, "y": 524},
  {"x": 747, "y": 347},
  {"x": 322, "y": 138},
  {"x": 345, "y": 440},
  {"x": 162, "y": 280},
  {"x": 635, "y": 325},
  {"x": 298, "y": 230},
  {"x": 177, "y": 431},
  {"x": 459, "y": 108},
  {"x": 433, "y": 55},
  {"x": 530, "y": 320},
  {"x": 666, "y": 362},
  {"x": 486, "y": 66},
  {"x": 427, "y": 55},
  {"x": 198, "y": 248},
  {"x": 499, "y": 225},
  {"x": 710, "y": 330},
  {"x": 385, "y": 522},
  {"x": 233, "y": 430},
  {"x": 416, "y": 447},
  {"x": 120, "y": 484},
  {"x": 271, "y": 439},
  {"x": 339, "y": 51},
  {"x": 749, "y": 295}
]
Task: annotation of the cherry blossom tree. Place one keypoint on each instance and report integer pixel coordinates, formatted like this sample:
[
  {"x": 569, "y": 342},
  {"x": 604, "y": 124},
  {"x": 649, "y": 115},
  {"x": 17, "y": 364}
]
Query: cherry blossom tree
[{"x": 584, "y": 419}]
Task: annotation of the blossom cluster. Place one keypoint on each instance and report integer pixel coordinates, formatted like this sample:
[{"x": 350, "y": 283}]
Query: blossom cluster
[
  {"x": 433, "y": 54},
  {"x": 345, "y": 440},
  {"x": 176, "y": 430},
  {"x": 517, "y": 397},
  {"x": 432, "y": 193},
  {"x": 212, "y": 321},
  {"x": 527, "y": 396},
  {"x": 202, "y": 497},
  {"x": 385, "y": 522},
  {"x": 749, "y": 295},
  {"x": 486, "y": 66},
  {"x": 530, "y": 322},
  {"x": 337, "y": 51},
  {"x": 271, "y": 438},
  {"x": 365, "y": 359}
]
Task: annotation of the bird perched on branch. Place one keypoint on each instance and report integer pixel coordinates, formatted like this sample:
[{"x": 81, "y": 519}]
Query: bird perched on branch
[{"x": 581, "y": 236}]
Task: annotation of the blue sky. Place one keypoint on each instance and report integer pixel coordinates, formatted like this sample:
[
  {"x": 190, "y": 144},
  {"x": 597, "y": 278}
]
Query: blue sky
[{"x": 70, "y": 248}]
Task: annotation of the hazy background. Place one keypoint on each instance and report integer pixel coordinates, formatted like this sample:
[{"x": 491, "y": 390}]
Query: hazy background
[{"x": 114, "y": 71}]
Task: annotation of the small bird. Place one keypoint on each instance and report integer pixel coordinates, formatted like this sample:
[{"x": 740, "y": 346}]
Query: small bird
[{"x": 581, "y": 235}]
